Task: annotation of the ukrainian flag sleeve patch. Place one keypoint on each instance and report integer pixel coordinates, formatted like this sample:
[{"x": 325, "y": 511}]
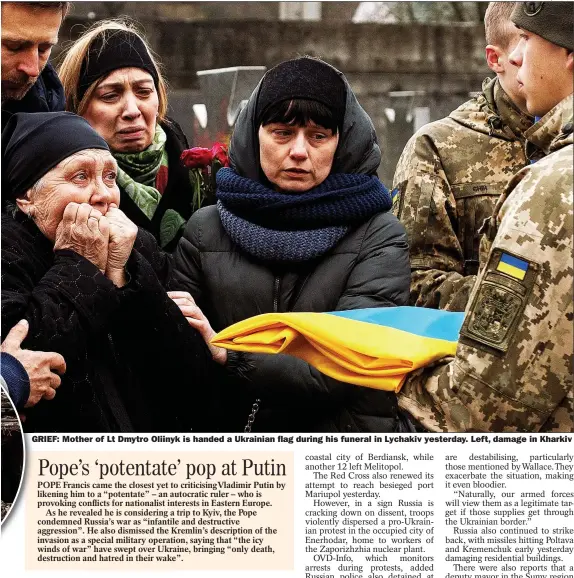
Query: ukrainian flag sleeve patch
[
  {"x": 497, "y": 309},
  {"x": 512, "y": 266}
]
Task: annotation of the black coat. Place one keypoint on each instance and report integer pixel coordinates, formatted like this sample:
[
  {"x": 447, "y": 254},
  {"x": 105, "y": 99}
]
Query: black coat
[
  {"x": 47, "y": 95},
  {"x": 133, "y": 362},
  {"x": 229, "y": 286},
  {"x": 178, "y": 194}
]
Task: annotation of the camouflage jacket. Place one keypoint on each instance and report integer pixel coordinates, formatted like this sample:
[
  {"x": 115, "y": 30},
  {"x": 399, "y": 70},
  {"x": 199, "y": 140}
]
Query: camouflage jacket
[
  {"x": 513, "y": 366},
  {"x": 448, "y": 179}
]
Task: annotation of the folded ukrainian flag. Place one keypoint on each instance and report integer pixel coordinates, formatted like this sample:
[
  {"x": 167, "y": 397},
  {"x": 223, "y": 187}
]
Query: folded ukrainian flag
[{"x": 370, "y": 347}]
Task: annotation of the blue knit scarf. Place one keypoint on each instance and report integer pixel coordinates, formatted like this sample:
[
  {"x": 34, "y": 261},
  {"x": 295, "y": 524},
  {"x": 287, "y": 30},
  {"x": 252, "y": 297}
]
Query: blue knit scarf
[{"x": 296, "y": 227}]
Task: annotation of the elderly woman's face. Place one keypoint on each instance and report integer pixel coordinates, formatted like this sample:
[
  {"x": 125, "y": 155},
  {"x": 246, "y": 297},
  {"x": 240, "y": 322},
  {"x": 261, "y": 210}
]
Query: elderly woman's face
[
  {"x": 123, "y": 110},
  {"x": 87, "y": 176},
  {"x": 296, "y": 158}
]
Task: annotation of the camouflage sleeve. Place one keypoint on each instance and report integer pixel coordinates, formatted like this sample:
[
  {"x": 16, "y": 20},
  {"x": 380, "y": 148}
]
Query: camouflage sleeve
[
  {"x": 440, "y": 290},
  {"x": 513, "y": 366},
  {"x": 425, "y": 204}
]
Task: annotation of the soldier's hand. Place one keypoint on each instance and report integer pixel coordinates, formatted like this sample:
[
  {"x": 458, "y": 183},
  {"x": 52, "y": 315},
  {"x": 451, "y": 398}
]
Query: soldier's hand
[{"x": 43, "y": 368}]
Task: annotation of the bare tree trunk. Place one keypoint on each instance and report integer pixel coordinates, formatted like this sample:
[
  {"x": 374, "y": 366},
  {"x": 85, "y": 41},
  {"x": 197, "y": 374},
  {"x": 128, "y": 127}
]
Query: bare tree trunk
[
  {"x": 481, "y": 10},
  {"x": 459, "y": 11}
]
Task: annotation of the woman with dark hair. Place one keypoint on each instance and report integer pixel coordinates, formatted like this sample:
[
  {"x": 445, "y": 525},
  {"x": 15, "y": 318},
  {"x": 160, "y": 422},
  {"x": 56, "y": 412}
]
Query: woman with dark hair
[{"x": 302, "y": 223}]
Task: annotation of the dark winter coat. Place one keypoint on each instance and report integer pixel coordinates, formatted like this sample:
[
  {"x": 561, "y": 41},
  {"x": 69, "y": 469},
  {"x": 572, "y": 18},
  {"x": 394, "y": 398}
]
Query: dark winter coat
[
  {"x": 126, "y": 349},
  {"x": 47, "y": 95},
  {"x": 368, "y": 268},
  {"x": 178, "y": 194}
]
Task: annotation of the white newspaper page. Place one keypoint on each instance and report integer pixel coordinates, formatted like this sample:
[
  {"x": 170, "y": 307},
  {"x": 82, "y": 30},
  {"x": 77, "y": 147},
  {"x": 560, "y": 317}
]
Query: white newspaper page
[{"x": 309, "y": 506}]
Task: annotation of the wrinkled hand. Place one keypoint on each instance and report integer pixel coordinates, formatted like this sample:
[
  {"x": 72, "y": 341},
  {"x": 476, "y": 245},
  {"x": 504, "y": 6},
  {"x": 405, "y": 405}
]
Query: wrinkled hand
[
  {"x": 42, "y": 367},
  {"x": 199, "y": 321},
  {"x": 84, "y": 230},
  {"x": 123, "y": 233}
]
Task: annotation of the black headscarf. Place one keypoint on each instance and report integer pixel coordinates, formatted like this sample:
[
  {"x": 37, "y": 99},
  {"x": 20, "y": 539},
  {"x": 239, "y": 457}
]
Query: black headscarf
[
  {"x": 111, "y": 50},
  {"x": 358, "y": 149},
  {"x": 305, "y": 78},
  {"x": 34, "y": 143}
]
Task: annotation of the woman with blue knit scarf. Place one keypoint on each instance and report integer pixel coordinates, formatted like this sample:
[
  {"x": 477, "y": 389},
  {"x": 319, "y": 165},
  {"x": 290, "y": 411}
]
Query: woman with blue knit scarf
[{"x": 302, "y": 223}]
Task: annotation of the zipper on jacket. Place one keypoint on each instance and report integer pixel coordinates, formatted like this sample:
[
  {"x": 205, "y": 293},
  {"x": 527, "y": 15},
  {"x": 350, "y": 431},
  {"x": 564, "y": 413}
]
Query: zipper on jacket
[
  {"x": 257, "y": 403},
  {"x": 276, "y": 294}
]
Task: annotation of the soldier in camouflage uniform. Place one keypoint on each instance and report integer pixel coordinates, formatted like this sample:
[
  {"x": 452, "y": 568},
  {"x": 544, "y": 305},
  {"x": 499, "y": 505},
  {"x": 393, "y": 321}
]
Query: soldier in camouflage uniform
[
  {"x": 452, "y": 172},
  {"x": 513, "y": 366}
]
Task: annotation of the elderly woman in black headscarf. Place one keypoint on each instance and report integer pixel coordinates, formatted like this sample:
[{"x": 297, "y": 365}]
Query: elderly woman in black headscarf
[
  {"x": 302, "y": 223},
  {"x": 87, "y": 282}
]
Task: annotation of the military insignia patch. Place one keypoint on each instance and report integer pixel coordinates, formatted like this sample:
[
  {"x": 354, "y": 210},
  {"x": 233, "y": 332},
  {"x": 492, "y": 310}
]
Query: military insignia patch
[
  {"x": 497, "y": 308},
  {"x": 512, "y": 266},
  {"x": 532, "y": 8}
]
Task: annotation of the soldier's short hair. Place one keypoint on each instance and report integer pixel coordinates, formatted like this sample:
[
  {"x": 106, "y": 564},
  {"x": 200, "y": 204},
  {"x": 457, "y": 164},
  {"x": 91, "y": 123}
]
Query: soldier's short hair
[
  {"x": 64, "y": 7},
  {"x": 497, "y": 23}
]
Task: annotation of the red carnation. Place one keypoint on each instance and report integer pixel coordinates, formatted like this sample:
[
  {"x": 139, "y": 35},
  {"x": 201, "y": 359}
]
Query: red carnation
[
  {"x": 197, "y": 158},
  {"x": 219, "y": 153}
]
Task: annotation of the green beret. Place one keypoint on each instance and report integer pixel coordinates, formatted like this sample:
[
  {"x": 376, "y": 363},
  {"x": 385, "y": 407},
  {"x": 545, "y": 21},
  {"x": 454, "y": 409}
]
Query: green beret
[{"x": 551, "y": 20}]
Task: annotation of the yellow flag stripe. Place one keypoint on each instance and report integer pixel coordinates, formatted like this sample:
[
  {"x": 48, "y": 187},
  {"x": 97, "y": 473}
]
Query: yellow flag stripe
[
  {"x": 511, "y": 270},
  {"x": 346, "y": 349}
]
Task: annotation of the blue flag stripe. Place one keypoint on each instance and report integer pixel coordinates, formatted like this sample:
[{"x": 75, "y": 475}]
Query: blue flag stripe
[
  {"x": 416, "y": 320},
  {"x": 514, "y": 261}
]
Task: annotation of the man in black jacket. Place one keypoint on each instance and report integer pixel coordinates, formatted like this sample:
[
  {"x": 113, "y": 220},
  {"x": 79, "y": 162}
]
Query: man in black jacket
[{"x": 29, "y": 82}]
